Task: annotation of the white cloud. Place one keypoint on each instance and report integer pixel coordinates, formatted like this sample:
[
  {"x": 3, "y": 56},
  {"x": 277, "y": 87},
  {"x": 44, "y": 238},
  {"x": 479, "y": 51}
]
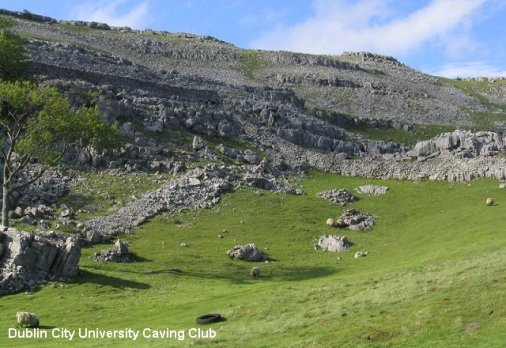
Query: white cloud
[
  {"x": 469, "y": 69},
  {"x": 113, "y": 12},
  {"x": 372, "y": 25}
]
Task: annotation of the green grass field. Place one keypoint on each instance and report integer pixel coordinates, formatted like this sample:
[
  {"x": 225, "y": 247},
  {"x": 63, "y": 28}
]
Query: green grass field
[{"x": 434, "y": 275}]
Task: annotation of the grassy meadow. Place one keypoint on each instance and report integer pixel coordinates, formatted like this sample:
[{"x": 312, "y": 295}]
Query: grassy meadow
[{"x": 434, "y": 275}]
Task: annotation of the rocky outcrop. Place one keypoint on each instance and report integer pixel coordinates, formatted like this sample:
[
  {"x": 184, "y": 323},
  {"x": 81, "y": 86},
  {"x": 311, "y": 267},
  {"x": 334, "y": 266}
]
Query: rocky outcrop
[
  {"x": 332, "y": 243},
  {"x": 461, "y": 144},
  {"x": 29, "y": 259},
  {"x": 247, "y": 252},
  {"x": 388, "y": 166}
]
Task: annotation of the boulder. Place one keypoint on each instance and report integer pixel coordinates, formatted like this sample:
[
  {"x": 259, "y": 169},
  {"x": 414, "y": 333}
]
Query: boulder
[
  {"x": 332, "y": 243},
  {"x": 127, "y": 130},
  {"x": 251, "y": 157},
  {"x": 198, "y": 143},
  {"x": 247, "y": 252},
  {"x": 118, "y": 253},
  {"x": 372, "y": 190},
  {"x": 120, "y": 247}
]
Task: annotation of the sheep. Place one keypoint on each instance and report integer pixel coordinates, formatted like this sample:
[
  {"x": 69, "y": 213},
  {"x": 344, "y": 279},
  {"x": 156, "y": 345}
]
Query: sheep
[
  {"x": 27, "y": 319},
  {"x": 360, "y": 254},
  {"x": 489, "y": 202},
  {"x": 502, "y": 185},
  {"x": 330, "y": 222},
  {"x": 255, "y": 272}
]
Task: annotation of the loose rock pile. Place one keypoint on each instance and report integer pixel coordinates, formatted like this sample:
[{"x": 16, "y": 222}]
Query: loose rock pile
[
  {"x": 199, "y": 188},
  {"x": 355, "y": 220},
  {"x": 341, "y": 197}
]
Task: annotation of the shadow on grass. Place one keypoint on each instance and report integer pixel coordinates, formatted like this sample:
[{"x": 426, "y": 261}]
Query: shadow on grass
[
  {"x": 86, "y": 277},
  {"x": 240, "y": 275},
  {"x": 47, "y": 327},
  {"x": 136, "y": 258},
  {"x": 299, "y": 273}
]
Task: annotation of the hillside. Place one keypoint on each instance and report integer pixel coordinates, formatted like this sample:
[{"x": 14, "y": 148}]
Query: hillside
[
  {"x": 223, "y": 146},
  {"x": 360, "y": 85},
  {"x": 348, "y": 106}
]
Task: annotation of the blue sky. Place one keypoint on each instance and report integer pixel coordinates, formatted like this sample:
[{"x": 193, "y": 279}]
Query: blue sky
[{"x": 441, "y": 37}]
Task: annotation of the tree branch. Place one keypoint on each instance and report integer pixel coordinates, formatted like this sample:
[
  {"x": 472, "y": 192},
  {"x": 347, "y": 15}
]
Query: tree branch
[
  {"x": 29, "y": 182},
  {"x": 22, "y": 164}
]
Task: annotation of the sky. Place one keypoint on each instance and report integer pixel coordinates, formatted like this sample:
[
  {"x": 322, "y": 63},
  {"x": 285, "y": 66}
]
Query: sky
[{"x": 452, "y": 38}]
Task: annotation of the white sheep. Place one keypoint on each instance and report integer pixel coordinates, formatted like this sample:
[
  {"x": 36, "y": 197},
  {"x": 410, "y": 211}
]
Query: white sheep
[
  {"x": 360, "y": 254},
  {"x": 27, "y": 319},
  {"x": 489, "y": 202},
  {"x": 330, "y": 222},
  {"x": 255, "y": 272}
]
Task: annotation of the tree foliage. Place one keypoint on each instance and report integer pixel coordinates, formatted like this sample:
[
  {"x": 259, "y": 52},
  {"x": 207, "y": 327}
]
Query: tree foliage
[
  {"x": 13, "y": 57},
  {"x": 38, "y": 122}
]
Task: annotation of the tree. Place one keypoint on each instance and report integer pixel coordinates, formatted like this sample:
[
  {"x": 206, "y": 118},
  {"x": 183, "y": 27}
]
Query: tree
[
  {"x": 38, "y": 124},
  {"x": 13, "y": 57}
]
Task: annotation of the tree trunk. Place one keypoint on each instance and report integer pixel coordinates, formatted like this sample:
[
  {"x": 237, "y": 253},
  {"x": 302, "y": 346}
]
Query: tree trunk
[
  {"x": 5, "y": 204},
  {"x": 5, "y": 200}
]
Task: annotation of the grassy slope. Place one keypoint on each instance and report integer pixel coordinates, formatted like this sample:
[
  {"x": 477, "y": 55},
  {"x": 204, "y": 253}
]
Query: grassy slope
[
  {"x": 434, "y": 273},
  {"x": 479, "y": 90}
]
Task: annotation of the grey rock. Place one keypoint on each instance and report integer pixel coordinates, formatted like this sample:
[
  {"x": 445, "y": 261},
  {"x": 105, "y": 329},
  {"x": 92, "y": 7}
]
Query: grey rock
[
  {"x": 29, "y": 259},
  {"x": 333, "y": 243},
  {"x": 251, "y": 157},
  {"x": 462, "y": 144},
  {"x": 247, "y": 252},
  {"x": 118, "y": 253},
  {"x": 127, "y": 130},
  {"x": 198, "y": 143},
  {"x": 120, "y": 248},
  {"x": 341, "y": 197},
  {"x": 27, "y": 220},
  {"x": 66, "y": 213},
  {"x": 355, "y": 220},
  {"x": 372, "y": 190}
]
